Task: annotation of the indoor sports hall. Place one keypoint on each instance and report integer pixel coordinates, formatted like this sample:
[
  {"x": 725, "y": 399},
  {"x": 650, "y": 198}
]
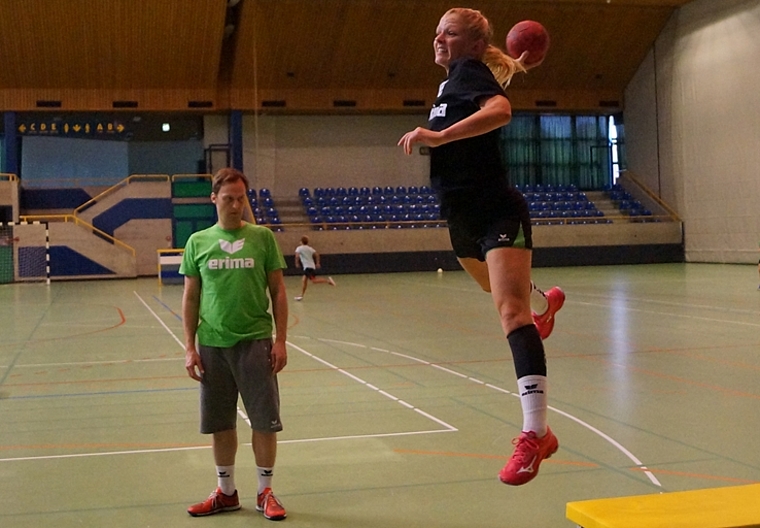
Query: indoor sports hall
[{"x": 633, "y": 144}]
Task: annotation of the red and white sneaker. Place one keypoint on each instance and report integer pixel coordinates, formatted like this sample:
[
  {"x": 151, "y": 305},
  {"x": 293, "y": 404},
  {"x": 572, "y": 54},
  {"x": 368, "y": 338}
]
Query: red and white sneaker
[
  {"x": 529, "y": 452},
  {"x": 270, "y": 506},
  {"x": 555, "y": 297},
  {"x": 217, "y": 502}
]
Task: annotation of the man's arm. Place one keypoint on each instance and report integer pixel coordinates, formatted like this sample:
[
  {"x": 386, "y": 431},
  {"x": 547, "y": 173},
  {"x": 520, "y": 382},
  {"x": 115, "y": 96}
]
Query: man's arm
[
  {"x": 276, "y": 285},
  {"x": 191, "y": 300}
]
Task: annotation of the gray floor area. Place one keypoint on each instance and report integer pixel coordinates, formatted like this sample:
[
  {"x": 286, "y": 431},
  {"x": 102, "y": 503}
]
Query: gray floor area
[{"x": 397, "y": 401}]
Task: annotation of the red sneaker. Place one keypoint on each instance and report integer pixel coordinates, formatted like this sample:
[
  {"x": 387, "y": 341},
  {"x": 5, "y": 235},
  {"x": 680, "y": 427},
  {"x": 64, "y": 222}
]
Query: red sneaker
[
  {"x": 270, "y": 505},
  {"x": 545, "y": 322},
  {"x": 217, "y": 502},
  {"x": 529, "y": 452}
]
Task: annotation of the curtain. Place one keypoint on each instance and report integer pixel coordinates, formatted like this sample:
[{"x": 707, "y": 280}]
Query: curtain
[{"x": 558, "y": 150}]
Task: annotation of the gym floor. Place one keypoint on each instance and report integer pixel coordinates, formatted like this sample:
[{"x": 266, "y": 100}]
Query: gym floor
[{"x": 397, "y": 401}]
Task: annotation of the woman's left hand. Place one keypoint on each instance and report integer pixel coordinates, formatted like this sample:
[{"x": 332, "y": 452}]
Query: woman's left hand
[{"x": 420, "y": 135}]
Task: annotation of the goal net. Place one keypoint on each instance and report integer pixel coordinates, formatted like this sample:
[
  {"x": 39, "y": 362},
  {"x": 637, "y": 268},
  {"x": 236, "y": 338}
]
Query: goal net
[{"x": 24, "y": 253}]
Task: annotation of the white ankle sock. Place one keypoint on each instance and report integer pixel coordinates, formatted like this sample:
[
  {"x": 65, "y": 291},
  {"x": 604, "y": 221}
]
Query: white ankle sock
[
  {"x": 265, "y": 477},
  {"x": 226, "y": 477},
  {"x": 538, "y": 302},
  {"x": 534, "y": 403}
]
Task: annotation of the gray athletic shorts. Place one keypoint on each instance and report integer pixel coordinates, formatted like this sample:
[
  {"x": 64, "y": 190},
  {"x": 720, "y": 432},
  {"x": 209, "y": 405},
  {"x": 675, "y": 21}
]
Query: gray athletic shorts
[{"x": 243, "y": 369}]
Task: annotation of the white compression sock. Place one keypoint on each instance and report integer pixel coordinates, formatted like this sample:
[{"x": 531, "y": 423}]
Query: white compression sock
[
  {"x": 534, "y": 403},
  {"x": 226, "y": 477},
  {"x": 538, "y": 302},
  {"x": 265, "y": 477}
]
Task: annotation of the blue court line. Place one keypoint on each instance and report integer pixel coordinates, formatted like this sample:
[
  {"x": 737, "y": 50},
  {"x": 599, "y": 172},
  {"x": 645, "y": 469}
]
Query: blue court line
[
  {"x": 159, "y": 301},
  {"x": 22, "y": 347},
  {"x": 109, "y": 393}
]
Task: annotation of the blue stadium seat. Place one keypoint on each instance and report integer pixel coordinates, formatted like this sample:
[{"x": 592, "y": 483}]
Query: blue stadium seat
[
  {"x": 303, "y": 192},
  {"x": 265, "y": 193}
]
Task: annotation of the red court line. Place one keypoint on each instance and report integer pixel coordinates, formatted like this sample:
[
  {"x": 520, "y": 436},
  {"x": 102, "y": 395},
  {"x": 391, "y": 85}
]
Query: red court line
[
  {"x": 677, "y": 379},
  {"x": 122, "y": 318}
]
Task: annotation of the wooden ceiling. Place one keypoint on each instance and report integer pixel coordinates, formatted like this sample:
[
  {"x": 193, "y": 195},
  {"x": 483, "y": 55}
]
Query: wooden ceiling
[{"x": 300, "y": 55}]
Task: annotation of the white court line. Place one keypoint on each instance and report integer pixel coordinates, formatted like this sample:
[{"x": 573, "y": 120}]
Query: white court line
[
  {"x": 161, "y": 321},
  {"x": 671, "y": 315},
  {"x": 195, "y": 448},
  {"x": 644, "y": 300},
  {"x": 241, "y": 412},
  {"x": 588, "y": 426},
  {"x": 370, "y": 386}
]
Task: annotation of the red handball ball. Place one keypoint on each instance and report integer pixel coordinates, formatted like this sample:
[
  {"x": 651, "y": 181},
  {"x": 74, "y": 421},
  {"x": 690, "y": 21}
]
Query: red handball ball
[{"x": 529, "y": 36}]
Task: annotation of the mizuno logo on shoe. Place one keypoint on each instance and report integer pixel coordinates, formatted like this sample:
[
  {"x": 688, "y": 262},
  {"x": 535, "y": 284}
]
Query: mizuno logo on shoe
[{"x": 529, "y": 467}]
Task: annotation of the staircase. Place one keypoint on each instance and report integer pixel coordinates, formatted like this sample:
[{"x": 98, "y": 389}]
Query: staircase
[
  {"x": 291, "y": 210},
  {"x": 604, "y": 204}
]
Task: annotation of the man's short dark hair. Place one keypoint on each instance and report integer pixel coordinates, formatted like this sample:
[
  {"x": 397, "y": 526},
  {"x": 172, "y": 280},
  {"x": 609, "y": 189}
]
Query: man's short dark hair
[{"x": 227, "y": 175}]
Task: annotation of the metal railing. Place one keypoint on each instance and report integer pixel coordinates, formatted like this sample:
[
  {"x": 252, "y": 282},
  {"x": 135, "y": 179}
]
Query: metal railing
[
  {"x": 81, "y": 223},
  {"x": 123, "y": 183}
]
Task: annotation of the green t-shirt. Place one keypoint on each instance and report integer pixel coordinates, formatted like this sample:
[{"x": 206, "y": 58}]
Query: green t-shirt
[{"x": 233, "y": 268}]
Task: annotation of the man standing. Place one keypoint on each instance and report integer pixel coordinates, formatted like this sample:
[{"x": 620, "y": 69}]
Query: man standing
[{"x": 228, "y": 269}]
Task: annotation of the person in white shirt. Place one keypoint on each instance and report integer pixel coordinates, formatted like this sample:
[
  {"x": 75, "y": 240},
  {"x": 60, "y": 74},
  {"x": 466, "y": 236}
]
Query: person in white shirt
[{"x": 308, "y": 258}]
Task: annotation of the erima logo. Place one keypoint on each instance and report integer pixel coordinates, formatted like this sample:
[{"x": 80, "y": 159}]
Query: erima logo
[
  {"x": 438, "y": 111},
  {"x": 230, "y": 263},
  {"x": 503, "y": 238},
  {"x": 231, "y": 247},
  {"x": 531, "y": 389},
  {"x": 267, "y": 472}
]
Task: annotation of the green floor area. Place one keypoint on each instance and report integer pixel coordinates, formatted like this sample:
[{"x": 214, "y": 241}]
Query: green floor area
[{"x": 398, "y": 400}]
